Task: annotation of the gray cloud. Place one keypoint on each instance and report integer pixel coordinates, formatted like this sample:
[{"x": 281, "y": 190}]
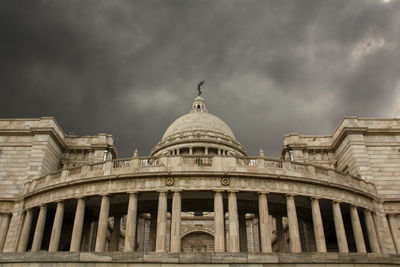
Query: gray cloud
[{"x": 130, "y": 67}]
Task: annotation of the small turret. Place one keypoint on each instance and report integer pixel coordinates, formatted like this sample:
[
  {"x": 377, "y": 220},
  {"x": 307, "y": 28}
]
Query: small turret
[{"x": 199, "y": 105}]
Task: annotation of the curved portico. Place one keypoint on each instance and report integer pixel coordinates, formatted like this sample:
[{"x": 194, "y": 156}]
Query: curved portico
[{"x": 308, "y": 207}]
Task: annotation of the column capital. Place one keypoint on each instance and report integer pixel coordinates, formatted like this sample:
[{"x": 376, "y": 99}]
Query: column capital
[
  {"x": 218, "y": 191},
  {"x": 80, "y": 197},
  {"x": 290, "y": 195},
  {"x": 177, "y": 191},
  {"x": 336, "y": 202},
  {"x": 133, "y": 192},
  {"x": 162, "y": 191},
  {"x": 232, "y": 191},
  {"x": 315, "y": 198},
  {"x": 262, "y": 192},
  {"x": 104, "y": 194},
  {"x": 44, "y": 205}
]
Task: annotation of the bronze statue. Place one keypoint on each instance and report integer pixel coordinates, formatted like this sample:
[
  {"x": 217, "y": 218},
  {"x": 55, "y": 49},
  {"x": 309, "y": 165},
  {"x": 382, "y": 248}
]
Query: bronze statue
[{"x": 199, "y": 87}]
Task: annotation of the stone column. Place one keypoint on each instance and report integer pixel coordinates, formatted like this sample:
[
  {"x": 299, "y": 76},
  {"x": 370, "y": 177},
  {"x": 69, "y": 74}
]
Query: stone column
[
  {"x": 161, "y": 222},
  {"x": 318, "y": 226},
  {"x": 5, "y": 222},
  {"x": 372, "y": 236},
  {"x": 39, "y": 231},
  {"x": 176, "y": 222},
  {"x": 114, "y": 240},
  {"x": 280, "y": 235},
  {"x": 358, "y": 235},
  {"x": 295, "y": 243},
  {"x": 264, "y": 224},
  {"x": 242, "y": 232},
  {"x": 23, "y": 242},
  {"x": 219, "y": 221},
  {"x": 234, "y": 245},
  {"x": 78, "y": 226},
  {"x": 339, "y": 228},
  {"x": 15, "y": 227},
  {"x": 101, "y": 238},
  {"x": 131, "y": 218},
  {"x": 57, "y": 226},
  {"x": 394, "y": 228}
]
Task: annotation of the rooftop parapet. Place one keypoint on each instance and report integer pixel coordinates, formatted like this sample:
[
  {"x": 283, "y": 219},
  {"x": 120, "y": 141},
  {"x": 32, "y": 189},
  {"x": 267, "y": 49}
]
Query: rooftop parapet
[{"x": 210, "y": 165}]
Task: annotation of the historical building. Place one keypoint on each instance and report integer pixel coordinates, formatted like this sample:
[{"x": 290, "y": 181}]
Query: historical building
[{"x": 198, "y": 198}]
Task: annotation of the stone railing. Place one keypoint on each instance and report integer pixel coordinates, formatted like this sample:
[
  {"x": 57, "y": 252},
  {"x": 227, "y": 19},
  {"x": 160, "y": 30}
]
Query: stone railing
[
  {"x": 197, "y": 160},
  {"x": 275, "y": 168}
]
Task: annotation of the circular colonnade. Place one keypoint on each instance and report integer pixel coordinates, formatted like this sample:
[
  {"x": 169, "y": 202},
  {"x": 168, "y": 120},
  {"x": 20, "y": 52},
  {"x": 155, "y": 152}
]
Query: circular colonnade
[{"x": 242, "y": 204}]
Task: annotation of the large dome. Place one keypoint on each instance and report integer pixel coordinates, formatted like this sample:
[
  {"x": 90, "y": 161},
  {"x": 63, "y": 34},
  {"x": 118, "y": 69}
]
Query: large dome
[
  {"x": 198, "y": 132},
  {"x": 198, "y": 121}
]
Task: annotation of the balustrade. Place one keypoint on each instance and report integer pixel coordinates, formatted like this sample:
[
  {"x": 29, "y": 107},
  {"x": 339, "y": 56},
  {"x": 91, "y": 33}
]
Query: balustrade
[
  {"x": 197, "y": 160},
  {"x": 224, "y": 163}
]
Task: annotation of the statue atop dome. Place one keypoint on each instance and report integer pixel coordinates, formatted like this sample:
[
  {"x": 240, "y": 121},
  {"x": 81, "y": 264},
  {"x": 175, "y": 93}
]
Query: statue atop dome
[{"x": 199, "y": 87}]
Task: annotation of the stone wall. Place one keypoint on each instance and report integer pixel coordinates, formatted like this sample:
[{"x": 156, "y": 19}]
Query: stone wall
[
  {"x": 30, "y": 148},
  {"x": 14, "y": 158},
  {"x": 364, "y": 147},
  {"x": 384, "y": 158}
]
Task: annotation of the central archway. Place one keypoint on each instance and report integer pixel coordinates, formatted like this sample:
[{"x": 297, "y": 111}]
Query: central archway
[{"x": 197, "y": 241}]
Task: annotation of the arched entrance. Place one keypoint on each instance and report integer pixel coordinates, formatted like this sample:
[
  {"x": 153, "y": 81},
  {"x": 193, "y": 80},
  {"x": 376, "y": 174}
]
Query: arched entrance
[{"x": 198, "y": 241}]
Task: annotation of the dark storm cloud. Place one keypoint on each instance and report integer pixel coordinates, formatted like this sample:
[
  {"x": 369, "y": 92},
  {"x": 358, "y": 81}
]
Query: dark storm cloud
[{"x": 130, "y": 67}]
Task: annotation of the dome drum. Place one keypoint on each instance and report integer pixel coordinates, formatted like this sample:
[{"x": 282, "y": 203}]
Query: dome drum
[{"x": 209, "y": 140}]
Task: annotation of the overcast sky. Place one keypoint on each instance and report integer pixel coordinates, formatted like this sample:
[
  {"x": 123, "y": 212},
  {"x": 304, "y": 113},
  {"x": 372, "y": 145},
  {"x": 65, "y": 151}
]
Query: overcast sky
[{"x": 130, "y": 68}]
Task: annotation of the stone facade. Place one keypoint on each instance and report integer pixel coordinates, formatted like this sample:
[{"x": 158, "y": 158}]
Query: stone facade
[{"x": 198, "y": 198}]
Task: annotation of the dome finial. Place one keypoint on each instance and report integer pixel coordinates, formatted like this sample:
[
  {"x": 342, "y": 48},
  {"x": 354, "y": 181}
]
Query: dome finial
[
  {"x": 199, "y": 105},
  {"x": 199, "y": 87}
]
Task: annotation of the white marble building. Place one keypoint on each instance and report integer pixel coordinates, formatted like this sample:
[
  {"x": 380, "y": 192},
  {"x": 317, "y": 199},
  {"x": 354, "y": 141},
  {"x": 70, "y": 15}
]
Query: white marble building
[{"x": 198, "y": 198}]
